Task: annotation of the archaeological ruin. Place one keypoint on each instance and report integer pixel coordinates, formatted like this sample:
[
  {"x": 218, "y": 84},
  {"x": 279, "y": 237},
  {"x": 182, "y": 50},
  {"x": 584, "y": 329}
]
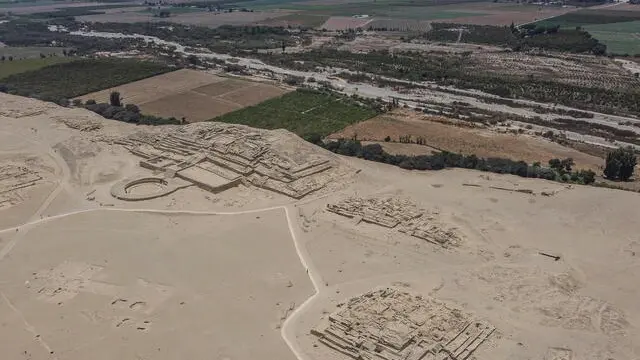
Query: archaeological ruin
[
  {"x": 218, "y": 157},
  {"x": 400, "y": 214},
  {"x": 14, "y": 178},
  {"x": 391, "y": 324}
]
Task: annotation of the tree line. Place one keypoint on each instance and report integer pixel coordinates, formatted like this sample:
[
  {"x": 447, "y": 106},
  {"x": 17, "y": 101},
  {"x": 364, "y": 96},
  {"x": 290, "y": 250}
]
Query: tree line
[
  {"x": 130, "y": 113},
  {"x": 557, "y": 170}
]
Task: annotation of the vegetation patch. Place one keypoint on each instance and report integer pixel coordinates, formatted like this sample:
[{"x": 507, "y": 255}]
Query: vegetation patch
[
  {"x": 590, "y": 17},
  {"x": 76, "y": 11},
  {"x": 620, "y": 38},
  {"x": 117, "y": 110},
  {"x": 458, "y": 71},
  {"x": 10, "y": 66},
  {"x": 558, "y": 170},
  {"x": 225, "y": 39},
  {"x": 29, "y": 33},
  {"x": 477, "y": 34},
  {"x": 23, "y": 52},
  {"x": 530, "y": 36},
  {"x": 310, "y": 114},
  {"x": 60, "y": 82}
]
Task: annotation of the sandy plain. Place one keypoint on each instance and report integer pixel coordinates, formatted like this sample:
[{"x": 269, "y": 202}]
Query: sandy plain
[{"x": 248, "y": 271}]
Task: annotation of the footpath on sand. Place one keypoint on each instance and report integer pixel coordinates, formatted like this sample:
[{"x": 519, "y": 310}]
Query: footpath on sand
[{"x": 287, "y": 331}]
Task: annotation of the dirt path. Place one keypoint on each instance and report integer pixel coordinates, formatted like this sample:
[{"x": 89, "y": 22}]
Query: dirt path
[{"x": 288, "y": 329}]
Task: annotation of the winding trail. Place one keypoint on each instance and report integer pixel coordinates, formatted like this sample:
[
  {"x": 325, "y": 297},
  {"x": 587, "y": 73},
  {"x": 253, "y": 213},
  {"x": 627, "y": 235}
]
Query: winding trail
[{"x": 287, "y": 331}]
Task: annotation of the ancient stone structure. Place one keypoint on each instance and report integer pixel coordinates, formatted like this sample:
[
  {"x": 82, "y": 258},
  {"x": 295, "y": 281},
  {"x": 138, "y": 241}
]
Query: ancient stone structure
[
  {"x": 126, "y": 189},
  {"x": 13, "y": 178},
  {"x": 217, "y": 157},
  {"x": 402, "y": 215},
  {"x": 390, "y": 324}
]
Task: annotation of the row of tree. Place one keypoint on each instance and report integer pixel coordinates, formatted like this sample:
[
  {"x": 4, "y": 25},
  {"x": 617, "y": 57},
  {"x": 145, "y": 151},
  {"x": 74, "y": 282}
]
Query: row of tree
[
  {"x": 558, "y": 170},
  {"x": 620, "y": 163},
  {"x": 130, "y": 113}
]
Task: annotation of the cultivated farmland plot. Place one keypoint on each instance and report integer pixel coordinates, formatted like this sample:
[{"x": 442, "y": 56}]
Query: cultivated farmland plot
[{"x": 194, "y": 95}]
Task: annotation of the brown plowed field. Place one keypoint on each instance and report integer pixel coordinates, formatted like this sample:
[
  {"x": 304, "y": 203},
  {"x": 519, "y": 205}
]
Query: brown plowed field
[
  {"x": 447, "y": 136},
  {"x": 154, "y": 88},
  {"x": 194, "y": 95},
  {"x": 221, "y": 88},
  {"x": 191, "y": 105}
]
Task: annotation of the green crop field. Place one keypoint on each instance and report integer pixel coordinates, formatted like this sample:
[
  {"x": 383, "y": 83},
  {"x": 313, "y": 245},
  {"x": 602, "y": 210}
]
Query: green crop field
[
  {"x": 12, "y": 4},
  {"x": 591, "y": 17},
  {"x": 71, "y": 79},
  {"x": 620, "y": 38},
  {"x": 303, "y": 112},
  {"x": 415, "y": 9},
  {"x": 27, "y": 52},
  {"x": 8, "y": 68}
]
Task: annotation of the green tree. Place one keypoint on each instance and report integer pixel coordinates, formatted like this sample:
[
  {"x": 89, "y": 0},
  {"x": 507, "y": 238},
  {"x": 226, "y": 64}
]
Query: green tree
[
  {"x": 114, "y": 99},
  {"x": 620, "y": 164}
]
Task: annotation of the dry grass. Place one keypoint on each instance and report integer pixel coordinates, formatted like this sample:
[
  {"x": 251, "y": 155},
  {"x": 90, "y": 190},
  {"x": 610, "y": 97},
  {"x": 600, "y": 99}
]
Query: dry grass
[{"x": 443, "y": 134}]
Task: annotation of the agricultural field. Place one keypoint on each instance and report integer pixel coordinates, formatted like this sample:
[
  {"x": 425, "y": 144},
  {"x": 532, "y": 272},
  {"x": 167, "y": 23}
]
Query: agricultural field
[
  {"x": 482, "y": 13},
  {"x": 80, "y": 11},
  {"x": 296, "y": 20},
  {"x": 442, "y": 134},
  {"x": 208, "y": 19},
  {"x": 618, "y": 29},
  {"x": 71, "y": 79},
  {"x": 32, "y": 7},
  {"x": 591, "y": 17},
  {"x": 30, "y": 52},
  {"x": 8, "y": 68},
  {"x": 620, "y": 38},
  {"x": 190, "y": 94},
  {"x": 302, "y": 112}
]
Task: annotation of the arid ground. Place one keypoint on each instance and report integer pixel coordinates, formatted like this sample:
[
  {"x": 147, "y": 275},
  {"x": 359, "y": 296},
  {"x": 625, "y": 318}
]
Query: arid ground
[
  {"x": 442, "y": 134},
  {"x": 549, "y": 269}
]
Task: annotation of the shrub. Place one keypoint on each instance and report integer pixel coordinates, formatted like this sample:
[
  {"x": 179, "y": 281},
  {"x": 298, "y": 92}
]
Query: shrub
[
  {"x": 560, "y": 170},
  {"x": 133, "y": 108},
  {"x": 620, "y": 164}
]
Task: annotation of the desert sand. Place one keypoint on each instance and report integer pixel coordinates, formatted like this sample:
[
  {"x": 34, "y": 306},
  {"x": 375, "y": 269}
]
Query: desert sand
[{"x": 216, "y": 241}]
